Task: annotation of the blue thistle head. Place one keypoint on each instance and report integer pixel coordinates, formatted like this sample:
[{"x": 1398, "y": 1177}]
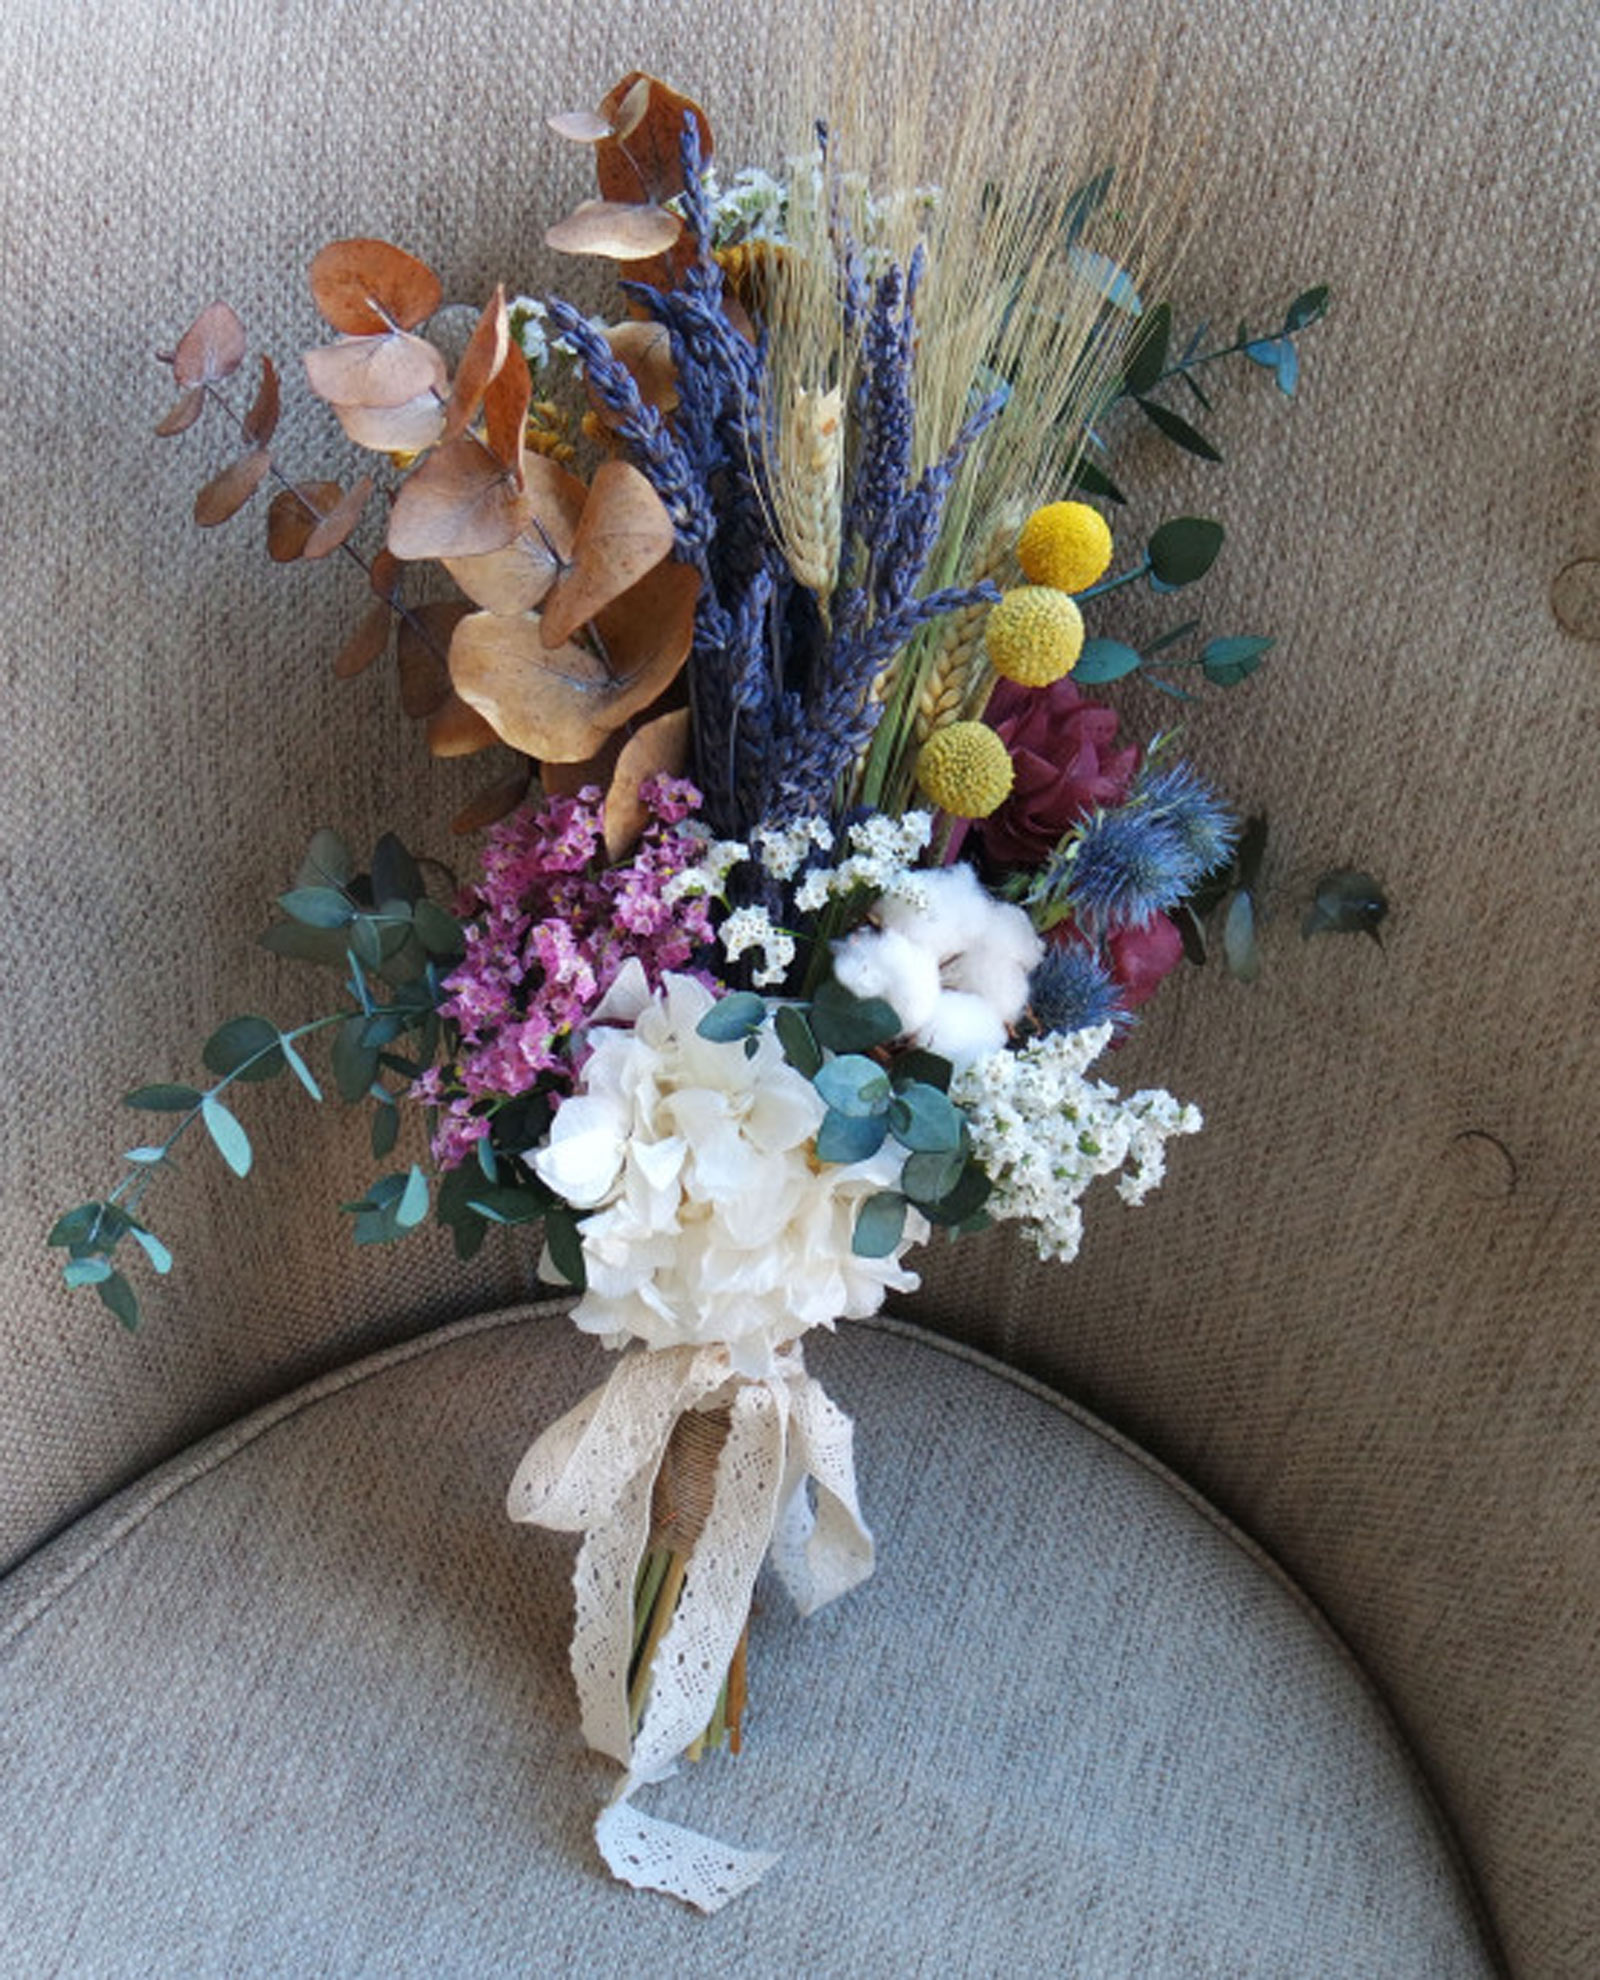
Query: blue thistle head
[
  {"x": 1129, "y": 864},
  {"x": 1071, "y": 990},
  {"x": 1189, "y": 807}
]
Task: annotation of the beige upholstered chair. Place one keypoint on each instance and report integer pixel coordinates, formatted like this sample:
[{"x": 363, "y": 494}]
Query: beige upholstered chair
[{"x": 280, "y": 1691}]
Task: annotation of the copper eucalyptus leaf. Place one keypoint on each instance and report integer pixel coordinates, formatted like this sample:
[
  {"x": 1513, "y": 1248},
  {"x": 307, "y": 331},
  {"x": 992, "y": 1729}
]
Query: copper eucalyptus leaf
[
  {"x": 579, "y": 126},
  {"x": 364, "y": 645},
  {"x": 644, "y": 160},
  {"x": 261, "y": 421},
  {"x": 505, "y": 412},
  {"x": 211, "y": 349},
  {"x": 364, "y": 286},
  {"x": 656, "y": 748},
  {"x": 339, "y": 522},
  {"x": 498, "y": 801},
  {"x": 387, "y": 370},
  {"x": 480, "y": 361},
  {"x": 409, "y": 429},
  {"x": 617, "y": 231},
  {"x": 227, "y": 493},
  {"x": 294, "y": 513},
  {"x": 624, "y": 532},
  {"x": 459, "y": 503},
  {"x": 181, "y": 416},
  {"x": 455, "y": 729},
  {"x": 422, "y": 645},
  {"x": 551, "y": 705}
]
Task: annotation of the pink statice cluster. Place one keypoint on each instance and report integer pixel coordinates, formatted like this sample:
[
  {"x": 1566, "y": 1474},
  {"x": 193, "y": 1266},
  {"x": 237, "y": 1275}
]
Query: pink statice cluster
[{"x": 548, "y": 927}]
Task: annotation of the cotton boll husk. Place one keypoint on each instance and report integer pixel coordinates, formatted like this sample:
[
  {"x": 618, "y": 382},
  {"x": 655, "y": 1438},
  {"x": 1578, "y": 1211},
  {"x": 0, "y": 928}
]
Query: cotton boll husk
[{"x": 887, "y": 963}]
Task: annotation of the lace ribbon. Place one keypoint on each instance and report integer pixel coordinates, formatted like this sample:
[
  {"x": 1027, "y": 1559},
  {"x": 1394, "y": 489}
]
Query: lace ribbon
[{"x": 593, "y": 1472}]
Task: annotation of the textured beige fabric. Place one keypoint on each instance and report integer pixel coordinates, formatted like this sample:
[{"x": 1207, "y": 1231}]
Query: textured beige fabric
[
  {"x": 1362, "y": 1314},
  {"x": 1017, "y": 1749}
]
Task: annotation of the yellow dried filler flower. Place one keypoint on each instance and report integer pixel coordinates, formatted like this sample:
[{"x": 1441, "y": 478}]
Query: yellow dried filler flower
[
  {"x": 1065, "y": 544},
  {"x": 1034, "y": 635},
  {"x": 965, "y": 769}
]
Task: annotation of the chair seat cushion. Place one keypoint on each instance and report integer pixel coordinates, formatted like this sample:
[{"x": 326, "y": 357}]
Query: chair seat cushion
[{"x": 299, "y": 1703}]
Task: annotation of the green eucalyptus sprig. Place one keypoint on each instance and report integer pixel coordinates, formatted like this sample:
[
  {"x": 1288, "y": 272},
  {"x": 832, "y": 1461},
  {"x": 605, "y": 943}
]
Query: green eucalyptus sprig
[{"x": 840, "y": 1043}]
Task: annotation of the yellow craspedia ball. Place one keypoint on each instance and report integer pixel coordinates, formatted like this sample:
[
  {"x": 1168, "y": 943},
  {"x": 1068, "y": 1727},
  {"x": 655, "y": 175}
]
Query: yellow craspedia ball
[
  {"x": 1066, "y": 544},
  {"x": 1034, "y": 635},
  {"x": 965, "y": 769}
]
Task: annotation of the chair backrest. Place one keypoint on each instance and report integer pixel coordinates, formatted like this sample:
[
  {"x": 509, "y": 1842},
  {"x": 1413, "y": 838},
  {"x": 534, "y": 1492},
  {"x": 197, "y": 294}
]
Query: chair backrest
[{"x": 1362, "y": 1312}]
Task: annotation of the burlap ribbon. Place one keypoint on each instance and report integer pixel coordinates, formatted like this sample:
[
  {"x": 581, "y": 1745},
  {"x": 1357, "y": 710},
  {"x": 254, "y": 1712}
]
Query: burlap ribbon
[{"x": 594, "y": 1472}]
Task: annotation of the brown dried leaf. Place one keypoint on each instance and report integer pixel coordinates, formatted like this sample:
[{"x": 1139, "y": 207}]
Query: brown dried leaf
[
  {"x": 386, "y": 574},
  {"x": 182, "y": 415},
  {"x": 409, "y": 429},
  {"x": 620, "y": 232},
  {"x": 365, "y": 644},
  {"x": 581, "y": 126},
  {"x": 560, "y": 706},
  {"x": 294, "y": 513},
  {"x": 646, "y": 350},
  {"x": 480, "y": 361},
  {"x": 422, "y": 647},
  {"x": 338, "y": 523},
  {"x": 645, "y": 160},
  {"x": 454, "y": 729},
  {"x": 567, "y": 779},
  {"x": 210, "y": 349},
  {"x": 623, "y": 532},
  {"x": 227, "y": 493},
  {"x": 365, "y": 286},
  {"x": 656, "y": 748},
  {"x": 261, "y": 421},
  {"x": 459, "y": 503},
  {"x": 497, "y": 802},
  {"x": 505, "y": 412},
  {"x": 516, "y": 578},
  {"x": 387, "y": 371}
]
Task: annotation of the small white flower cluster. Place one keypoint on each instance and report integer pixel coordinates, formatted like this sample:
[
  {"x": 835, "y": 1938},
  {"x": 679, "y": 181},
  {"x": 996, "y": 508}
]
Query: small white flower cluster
[
  {"x": 754, "y": 928},
  {"x": 709, "y": 874},
  {"x": 751, "y": 207},
  {"x": 1043, "y": 1133},
  {"x": 883, "y": 853},
  {"x": 782, "y": 849},
  {"x": 954, "y": 964}
]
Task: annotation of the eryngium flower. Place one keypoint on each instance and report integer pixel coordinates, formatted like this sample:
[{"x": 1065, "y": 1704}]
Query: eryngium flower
[
  {"x": 1205, "y": 827},
  {"x": 1070, "y": 991}
]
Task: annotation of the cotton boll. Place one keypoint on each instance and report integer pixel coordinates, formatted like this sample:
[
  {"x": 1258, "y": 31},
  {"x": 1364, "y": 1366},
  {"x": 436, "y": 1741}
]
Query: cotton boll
[
  {"x": 963, "y": 1028},
  {"x": 955, "y": 918},
  {"x": 884, "y": 963}
]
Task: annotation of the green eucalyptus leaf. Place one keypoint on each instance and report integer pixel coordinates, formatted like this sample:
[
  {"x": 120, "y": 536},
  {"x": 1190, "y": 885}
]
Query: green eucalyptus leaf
[
  {"x": 1090, "y": 479},
  {"x": 232, "y": 1143},
  {"x": 121, "y": 1299},
  {"x": 77, "y": 1226},
  {"x": 794, "y": 1035},
  {"x": 152, "y": 1247},
  {"x": 962, "y": 1202},
  {"x": 1306, "y": 309},
  {"x": 880, "y": 1224},
  {"x": 1240, "y": 948},
  {"x": 439, "y": 933},
  {"x": 163, "y": 1099},
  {"x": 564, "y": 1242},
  {"x": 246, "y": 1048},
  {"x": 1226, "y": 662},
  {"x": 300, "y": 944},
  {"x": 1107, "y": 278},
  {"x": 1171, "y": 638},
  {"x": 927, "y": 1068},
  {"x": 385, "y": 1130},
  {"x": 327, "y": 862},
  {"x": 733, "y": 1017},
  {"x": 86, "y": 1271},
  {"x": 929, "y": 1176},
  {"x": 854, "y": 1086},
  {"x": 506, "y": 1205},
  {"x": 1177, "y": 429},
  {"x": 1185, "y": 549},
  {"x": 412, "y": 1206},
  {"x": 317, "y": 907},
  {"x": 367, "y": 941},
  {"x": 1186, "y": 917},
  {"x": 925, "y": 1120},
  {"x": 355, "y": 1063},
  {"x": 1104, "y": 660},
  {"x": 1250, "y": 851},
  {"x": 842, "y": 1022},
  {"x": 1347, "y": 902},
  {"x": 1148, "y": 358},
  {"x": 850, "y": 1137},
  {"x": 395, "y": 874},
  {"x": 146, "y": 1157},
  {"x": 299, "y": 1068}
]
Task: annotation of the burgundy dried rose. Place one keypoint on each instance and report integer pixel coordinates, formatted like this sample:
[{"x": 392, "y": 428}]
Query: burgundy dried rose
[
  {"x": 1140, "y": 957},
  {"x": 1064, "y": 752}
]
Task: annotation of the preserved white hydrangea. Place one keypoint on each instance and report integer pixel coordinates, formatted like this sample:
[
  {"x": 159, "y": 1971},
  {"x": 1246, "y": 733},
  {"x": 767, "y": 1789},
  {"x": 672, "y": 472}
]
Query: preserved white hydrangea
[
  {"x": 1043, "y": 1133},
  {"x": 714, "y": 1222}
]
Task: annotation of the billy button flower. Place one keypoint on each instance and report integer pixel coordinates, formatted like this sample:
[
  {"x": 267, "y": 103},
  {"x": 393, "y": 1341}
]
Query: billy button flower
[
  {"x": 965, "y": 769},
  {"x": 1065, "y": 544},
  {"x": 1034, "y": 635}
]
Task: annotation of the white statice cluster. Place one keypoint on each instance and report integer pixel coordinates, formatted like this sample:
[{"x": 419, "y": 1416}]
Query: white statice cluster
[
  {"x": 752, "y": 206},
  {"x": 707, "y": 878},
  {"x": 1043, "y": 1133},
  {"x": 753, "y": 928},
  {"x": 954, "y": 966},
  {"x": 712, "y": 1220},
  {"x": 882, "y": 859},
  {"x": 784, "y": 849}
]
